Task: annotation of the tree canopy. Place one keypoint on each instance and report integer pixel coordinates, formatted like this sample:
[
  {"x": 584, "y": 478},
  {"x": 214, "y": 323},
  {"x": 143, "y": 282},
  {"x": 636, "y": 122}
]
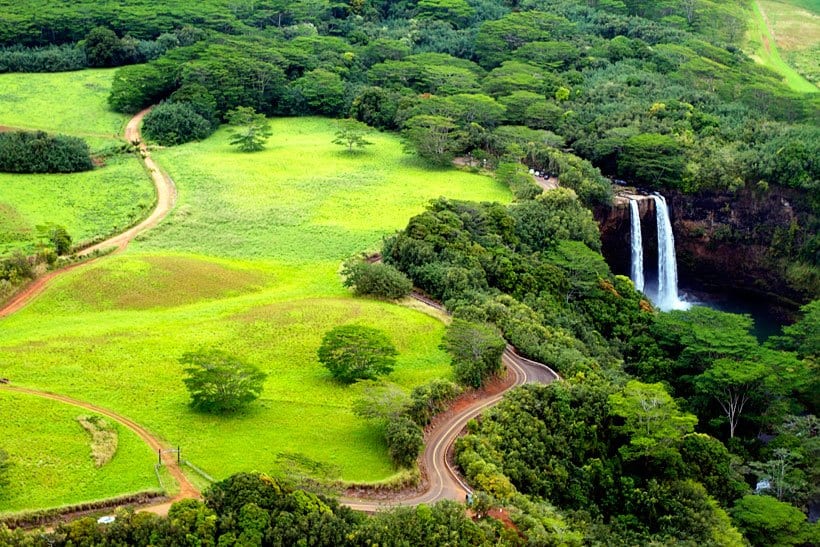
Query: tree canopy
[
  {"x": 356, "y": 352},
  {"x": 218, "y": 382}
]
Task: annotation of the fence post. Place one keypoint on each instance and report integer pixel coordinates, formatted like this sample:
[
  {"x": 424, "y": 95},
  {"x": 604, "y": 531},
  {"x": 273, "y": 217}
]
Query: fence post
[
  {"x": 179, "y": 455},
  {"x": 159, "y": 456}
]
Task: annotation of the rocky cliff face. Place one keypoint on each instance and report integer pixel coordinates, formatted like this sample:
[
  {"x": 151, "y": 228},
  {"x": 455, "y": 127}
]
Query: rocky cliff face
[{"x": 729, "y": 243}]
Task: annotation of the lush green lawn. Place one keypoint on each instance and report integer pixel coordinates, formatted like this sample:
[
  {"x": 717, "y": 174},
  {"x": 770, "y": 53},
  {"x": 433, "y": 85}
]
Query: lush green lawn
[
  {"x": 302, "y": 200},
  {"x": 765, "y": 51},
  {"x": 73, "y": 103},
  {"x": 127, "y": 360},
  {"x": 89, "y": 205},
  {"x": 795, "y": 26},
  {"x": 247, "y": 262},
  {"x": 50, "y": 456}
]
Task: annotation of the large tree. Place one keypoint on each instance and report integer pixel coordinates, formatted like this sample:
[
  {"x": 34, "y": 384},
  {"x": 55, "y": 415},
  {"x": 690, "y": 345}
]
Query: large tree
[
  {"x": 733, "y": 384},
  {"x": 356, "y": 352},
  {"x": 652, "y": 419},
  {"x": 220, "y": 382},
  {"x": 434, "y": 138},
  {"x": 476, "y": 351}
]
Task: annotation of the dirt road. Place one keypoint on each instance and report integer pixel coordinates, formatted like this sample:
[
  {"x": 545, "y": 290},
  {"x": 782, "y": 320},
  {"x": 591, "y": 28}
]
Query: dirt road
[
  {"x": 186, "y": 488},
  {"x": 166, "y": 195}
]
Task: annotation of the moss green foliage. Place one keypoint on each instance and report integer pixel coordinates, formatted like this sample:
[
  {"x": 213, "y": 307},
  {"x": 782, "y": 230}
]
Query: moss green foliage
[
  {"x": 559, "y": 443},
  {"x": 469, "y": 255},
  {"x": 766, "y": 521},
  {"x": 355, "y": 352},
  {"x": 38, "y": 152},
  {"x": 219, "y": 382},
  {"x": 520, "y": 182},
  {"x": 53, "y": 461},
  {"x": 254, "y": 509},
  {"x": 404, "y": 441},
  {"x": 375, "y": 279}
]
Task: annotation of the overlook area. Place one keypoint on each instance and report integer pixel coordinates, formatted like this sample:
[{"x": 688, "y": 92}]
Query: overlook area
[{"x": 420, "y": 272}]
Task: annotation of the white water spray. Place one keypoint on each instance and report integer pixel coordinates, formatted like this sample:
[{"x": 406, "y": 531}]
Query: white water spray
[
  {"x": 667, "y": 297},
  {"x": 636, "y": 245}
]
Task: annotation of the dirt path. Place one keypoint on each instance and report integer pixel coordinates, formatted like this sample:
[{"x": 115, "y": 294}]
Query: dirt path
[
  {"x": 166, "y": 195},
  {"x": 186, "y": 487},
  {"x": 443, "y": 480}
]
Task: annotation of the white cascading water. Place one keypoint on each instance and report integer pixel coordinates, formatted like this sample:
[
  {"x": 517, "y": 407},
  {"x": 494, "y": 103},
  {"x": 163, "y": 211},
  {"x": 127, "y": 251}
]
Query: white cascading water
[
  {"x": 636, "y": 245},
  {"x": 667, "y": 297}
]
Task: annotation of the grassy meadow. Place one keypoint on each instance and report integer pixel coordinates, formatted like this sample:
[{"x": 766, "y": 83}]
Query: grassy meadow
[
  {"x": 248, "y": 262},
  {"x": 795, "y": 26},
  {"x": 73, "y": 103},
  {"x": 765, "y": 45},
  {"x": 90, "y": 205},
  {"x": 51, "y": 455}
]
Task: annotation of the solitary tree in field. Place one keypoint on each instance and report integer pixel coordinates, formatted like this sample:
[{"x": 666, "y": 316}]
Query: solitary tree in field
[
  {"x": 251, "y": 129},
  {"x": 354, "y": 352},
  {"x": 219, "y": 382},
  {"x": 351, "y": 133}
]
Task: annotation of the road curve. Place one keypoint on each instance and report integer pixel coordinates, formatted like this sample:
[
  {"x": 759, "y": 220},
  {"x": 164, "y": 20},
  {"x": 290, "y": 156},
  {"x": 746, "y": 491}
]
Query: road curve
[
  {"x": 186, "y": 487},
  {"x": 443, "y": 480},
  {"x": 166, "y": 196}
]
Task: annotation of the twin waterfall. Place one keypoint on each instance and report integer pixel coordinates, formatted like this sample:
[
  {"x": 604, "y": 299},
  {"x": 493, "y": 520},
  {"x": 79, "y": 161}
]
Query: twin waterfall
[
  {"x": 665, "y": 296},
  {"x": 636, "y": 245}
]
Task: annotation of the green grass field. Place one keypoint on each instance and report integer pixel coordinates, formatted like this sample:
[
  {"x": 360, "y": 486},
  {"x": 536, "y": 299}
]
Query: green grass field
[
  {"x": 89, "y": 205},
  {"x": 50, "y": 457},
  {"x": 248, "y": 262},
  {"x": 302, "y": 200},
  {"x": 764, "y": 46},
  {"x": 796, "y": 29},
  {"x": 73, "y": 103}
]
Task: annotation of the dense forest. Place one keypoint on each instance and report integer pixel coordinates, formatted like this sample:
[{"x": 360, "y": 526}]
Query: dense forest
[{"x": 669, "y": 428}]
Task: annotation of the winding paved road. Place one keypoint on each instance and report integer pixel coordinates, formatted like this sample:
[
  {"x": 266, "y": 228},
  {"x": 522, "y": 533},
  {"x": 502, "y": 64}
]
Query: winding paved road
[
  {"x": 443, "y": 480},
  {"x": 166, "y": 196}
]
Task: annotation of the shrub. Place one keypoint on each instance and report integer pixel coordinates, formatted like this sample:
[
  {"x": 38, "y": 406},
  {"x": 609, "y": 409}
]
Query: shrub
[
  {"x": 379, "y": 280},
  {"x": 175, "y": 123},
  {"x": 404, "y": 441},
  {"x": 429, "y": 399},
  {"x": 39, "y": 152},
  {"x": 520, "y": 182}
]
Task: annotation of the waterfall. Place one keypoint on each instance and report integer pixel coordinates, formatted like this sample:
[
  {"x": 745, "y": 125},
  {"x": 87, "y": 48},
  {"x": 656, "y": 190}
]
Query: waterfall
[
  {"x": 637, "y": 245},
  {"x": 667, "y": 296}
]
